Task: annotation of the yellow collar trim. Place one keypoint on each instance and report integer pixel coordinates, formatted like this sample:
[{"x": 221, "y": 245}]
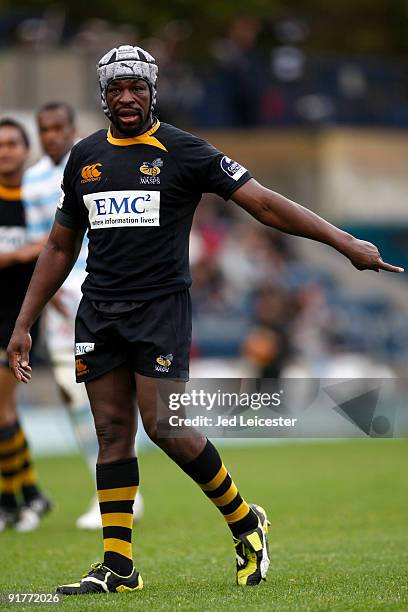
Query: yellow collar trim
[
  {"x": 10, "y": 193},
  {"x": 145, "y": 138}
]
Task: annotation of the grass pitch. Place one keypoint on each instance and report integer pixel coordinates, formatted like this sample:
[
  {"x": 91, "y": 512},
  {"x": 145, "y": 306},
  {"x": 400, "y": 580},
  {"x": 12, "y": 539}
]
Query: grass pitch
[{"x": 339, "y": 535}]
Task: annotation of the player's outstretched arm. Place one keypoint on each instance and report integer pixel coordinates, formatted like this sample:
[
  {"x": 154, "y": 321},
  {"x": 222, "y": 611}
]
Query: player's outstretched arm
[
  {"x": 53, "y": 266},
  {"x": 274, "y": 210}
]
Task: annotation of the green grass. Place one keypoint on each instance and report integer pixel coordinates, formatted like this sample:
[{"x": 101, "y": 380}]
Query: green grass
[{"x": 339, "y": 536}]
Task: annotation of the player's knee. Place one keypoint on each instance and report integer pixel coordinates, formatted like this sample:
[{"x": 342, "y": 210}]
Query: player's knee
[
  {"x": 155, "y": 429},
  {"x": 113, "y": 432},
  {"x": 160, "y": 433},
  {"x": 150, "y": 427}
]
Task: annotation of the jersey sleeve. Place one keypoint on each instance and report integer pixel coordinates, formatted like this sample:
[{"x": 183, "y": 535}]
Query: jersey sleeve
[
  {"x": 70, "y": 213},
  {"x": 39, "y": 209},
  {"x": 211, "y": 171}
]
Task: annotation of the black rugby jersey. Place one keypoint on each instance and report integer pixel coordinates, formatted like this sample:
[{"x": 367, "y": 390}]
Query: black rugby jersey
[
  {"x": 137, "y": 197},
  {"x": 13, "y": 279}
]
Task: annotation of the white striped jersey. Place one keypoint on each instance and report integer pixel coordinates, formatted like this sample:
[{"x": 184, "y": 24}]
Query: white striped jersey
[{"x": 41, "y": 194}]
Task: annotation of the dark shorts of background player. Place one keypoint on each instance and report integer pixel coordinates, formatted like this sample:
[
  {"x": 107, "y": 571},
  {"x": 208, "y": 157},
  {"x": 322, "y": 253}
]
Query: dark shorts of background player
[
  {"x": 8, "y": 318},
  {"x": 154, "y": 338}
]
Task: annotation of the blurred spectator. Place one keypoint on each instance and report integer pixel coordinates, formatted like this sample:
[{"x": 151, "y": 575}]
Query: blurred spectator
[
  {"x": 179, "y": 89},
  {"x": 42, "y": 32},
  {"x": 210, "y": 293},
  {"x": 267, "y": 345},
  {"x": 263, "y": 349},
  {"x": 250, "y": 257},
  {"x": 96, "y": 35},
  {"x": 242, "y": 70},
  {"x": 310, "y": 327}
]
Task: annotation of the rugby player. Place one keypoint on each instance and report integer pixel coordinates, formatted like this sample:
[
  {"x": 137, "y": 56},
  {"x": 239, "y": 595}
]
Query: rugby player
[
  {"x": 41, "y": 192},
  {"x": 136, "y": 197},
  {"x": 21, "y": 501}
]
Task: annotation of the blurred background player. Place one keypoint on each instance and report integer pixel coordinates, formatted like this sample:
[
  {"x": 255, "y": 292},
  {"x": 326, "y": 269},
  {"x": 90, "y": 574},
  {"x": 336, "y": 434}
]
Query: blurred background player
[
  {"x": 21, "y": 501},
  {"x": 42, "y": 191}
]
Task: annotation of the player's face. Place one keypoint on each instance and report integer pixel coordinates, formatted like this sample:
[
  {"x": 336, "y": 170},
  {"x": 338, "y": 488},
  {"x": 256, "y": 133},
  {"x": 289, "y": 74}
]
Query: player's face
[
  {"x": 129, "y": 102},
  {"x": 56, "y": 133},
  {"x": 13, "y": 151}
]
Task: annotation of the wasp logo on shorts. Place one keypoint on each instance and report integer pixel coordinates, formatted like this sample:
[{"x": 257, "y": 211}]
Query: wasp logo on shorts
[
  {"x": 91, "y": 173},
  {"x": 80, "y": 367},
  {"x": 164, "y": 363}
]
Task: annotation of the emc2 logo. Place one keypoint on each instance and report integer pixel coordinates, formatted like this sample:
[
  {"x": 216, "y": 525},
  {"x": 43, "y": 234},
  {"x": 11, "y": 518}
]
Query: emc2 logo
[{"x": 123, "y": 208}]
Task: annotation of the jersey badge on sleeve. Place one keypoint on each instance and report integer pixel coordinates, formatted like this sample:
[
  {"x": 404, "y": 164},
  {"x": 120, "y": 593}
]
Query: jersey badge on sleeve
[{"x": 232, "y": 168}]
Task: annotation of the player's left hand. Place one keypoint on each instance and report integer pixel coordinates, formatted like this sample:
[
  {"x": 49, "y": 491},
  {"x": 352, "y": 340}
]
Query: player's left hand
[{"x": 365, "y": 256}]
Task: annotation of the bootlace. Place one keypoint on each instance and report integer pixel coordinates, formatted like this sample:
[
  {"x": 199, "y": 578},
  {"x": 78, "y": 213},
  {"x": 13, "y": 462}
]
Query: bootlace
[{"x": 94, "y": 568}]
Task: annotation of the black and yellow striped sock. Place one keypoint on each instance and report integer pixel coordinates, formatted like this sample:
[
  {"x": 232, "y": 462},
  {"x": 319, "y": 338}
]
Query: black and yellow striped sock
[
  {"x": 28, "y": 476},
  {"x": 18, "y": 474},
  {"x": 209, "y": 472},
  {"x": 117, "y": 485},
  {"x": 11, "y": 447}
]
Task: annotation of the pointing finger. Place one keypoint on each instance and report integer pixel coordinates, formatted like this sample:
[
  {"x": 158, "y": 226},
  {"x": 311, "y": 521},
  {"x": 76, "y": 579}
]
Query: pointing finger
[{"x": 382, "y": 265}]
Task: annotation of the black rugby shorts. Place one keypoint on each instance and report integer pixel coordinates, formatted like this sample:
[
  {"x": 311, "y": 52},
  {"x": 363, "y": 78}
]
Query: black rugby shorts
[{"x": 153, "y": 337}]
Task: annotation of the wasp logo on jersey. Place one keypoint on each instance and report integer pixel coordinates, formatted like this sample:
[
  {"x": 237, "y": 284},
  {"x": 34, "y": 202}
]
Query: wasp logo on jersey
[
  {"x": 164, "y": 363},
  {"x": 151, "y": 170},
  {"x": 116, "y": 209},
  {"x": 91, "y": 173}
]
